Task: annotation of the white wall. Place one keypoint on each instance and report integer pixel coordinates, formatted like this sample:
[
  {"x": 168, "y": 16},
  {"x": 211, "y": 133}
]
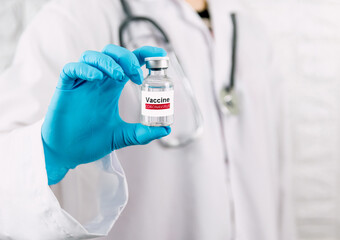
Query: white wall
[{"x": 306, "y": 50}]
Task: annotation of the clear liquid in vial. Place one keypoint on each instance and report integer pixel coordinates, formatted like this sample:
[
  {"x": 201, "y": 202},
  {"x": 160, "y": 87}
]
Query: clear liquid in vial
[{"x": 160, "y": 111}]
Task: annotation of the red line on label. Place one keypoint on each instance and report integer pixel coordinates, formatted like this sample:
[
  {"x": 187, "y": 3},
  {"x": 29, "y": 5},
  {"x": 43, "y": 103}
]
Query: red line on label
[{"x": 157, "y": 106}]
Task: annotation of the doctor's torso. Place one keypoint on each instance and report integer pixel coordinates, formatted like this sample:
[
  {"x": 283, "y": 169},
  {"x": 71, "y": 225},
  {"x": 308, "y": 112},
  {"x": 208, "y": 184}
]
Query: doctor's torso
[
  {"x": 209, "y": 188},
  {"x": 222, "y": 184}
]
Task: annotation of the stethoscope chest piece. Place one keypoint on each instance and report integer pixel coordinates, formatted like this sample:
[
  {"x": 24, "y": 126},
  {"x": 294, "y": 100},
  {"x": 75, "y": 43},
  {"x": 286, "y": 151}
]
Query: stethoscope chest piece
[{"x": 228, "y": 101}]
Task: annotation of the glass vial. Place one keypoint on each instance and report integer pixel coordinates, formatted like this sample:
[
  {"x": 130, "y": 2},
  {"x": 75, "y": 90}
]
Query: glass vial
[{"x": 157, "y": 93}]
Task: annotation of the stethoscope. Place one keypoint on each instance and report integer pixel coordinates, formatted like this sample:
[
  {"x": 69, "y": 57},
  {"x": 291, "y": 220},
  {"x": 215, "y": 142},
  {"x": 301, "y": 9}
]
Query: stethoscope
[{"x": 227, "y": 98}]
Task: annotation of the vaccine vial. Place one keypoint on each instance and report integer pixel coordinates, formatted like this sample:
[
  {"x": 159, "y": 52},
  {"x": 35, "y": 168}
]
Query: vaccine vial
[{"x": 157, "y": 93}]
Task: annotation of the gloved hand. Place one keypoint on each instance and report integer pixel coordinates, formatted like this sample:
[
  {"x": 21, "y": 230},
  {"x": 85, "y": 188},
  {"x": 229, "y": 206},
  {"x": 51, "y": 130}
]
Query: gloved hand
[{"x": 82, "y": 123}]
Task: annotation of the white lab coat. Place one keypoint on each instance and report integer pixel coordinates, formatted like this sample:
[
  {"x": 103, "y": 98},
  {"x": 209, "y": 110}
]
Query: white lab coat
[{"x": 225, "y": 185}]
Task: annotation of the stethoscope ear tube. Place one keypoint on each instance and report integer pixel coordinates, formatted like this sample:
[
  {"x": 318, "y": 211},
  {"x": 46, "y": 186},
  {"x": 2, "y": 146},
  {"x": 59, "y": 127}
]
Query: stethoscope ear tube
[
  {"x": 233, "y": 54},
  {"x": 185, "y": 139},
  {"x": 131, "y": 19}
]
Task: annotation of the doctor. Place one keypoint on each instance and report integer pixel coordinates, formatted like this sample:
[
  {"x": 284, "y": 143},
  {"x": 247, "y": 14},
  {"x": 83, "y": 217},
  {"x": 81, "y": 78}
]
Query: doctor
[{"x": 224, "y": 185}]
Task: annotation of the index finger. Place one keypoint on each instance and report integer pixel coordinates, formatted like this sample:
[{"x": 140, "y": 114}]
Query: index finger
[
  {"x": 148, "y": 51},
  {"x": 127, "y": 60}
]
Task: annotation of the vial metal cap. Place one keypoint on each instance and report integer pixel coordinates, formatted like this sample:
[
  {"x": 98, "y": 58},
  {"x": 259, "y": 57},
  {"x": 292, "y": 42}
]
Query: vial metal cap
[{"x": 156, "y": 62}]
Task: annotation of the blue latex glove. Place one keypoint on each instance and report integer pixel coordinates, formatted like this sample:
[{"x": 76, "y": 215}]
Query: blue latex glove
[{"x": 82, "y": 123}]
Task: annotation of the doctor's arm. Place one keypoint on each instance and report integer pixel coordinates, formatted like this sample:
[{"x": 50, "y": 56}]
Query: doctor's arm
[
  {"x": 82, "y": 125},
  {"x": 66, "y": 137}
]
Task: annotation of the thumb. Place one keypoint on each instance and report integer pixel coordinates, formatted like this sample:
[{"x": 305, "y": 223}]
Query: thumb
[
  {"x": 145, "y": 134},
  {"x": 137, "y": 134}
]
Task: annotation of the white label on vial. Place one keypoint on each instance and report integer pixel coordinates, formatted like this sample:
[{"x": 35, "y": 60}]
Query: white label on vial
[{"x": 158, "y": 104}]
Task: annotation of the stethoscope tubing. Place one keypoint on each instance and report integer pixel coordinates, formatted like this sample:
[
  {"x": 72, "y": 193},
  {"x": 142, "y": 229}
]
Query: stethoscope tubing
[
  {"x": 231, "y": 84},
  {"x": 198, "y": 115},
  {"x": 131, "y": 19}
]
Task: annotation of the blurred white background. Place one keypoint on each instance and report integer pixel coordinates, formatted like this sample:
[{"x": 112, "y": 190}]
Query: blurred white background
[{"x": 306, "y": 47}]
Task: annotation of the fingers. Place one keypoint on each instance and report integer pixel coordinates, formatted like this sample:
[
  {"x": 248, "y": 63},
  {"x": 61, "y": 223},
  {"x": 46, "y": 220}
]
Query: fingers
[
  {"x": 104, "y": 63},
  {"x": 127, "y": 60},
  {"x": 115, "y": 62},
  {"x": 147, "y": 51},
  {"x": 72, "y": 72},
  {"x": 92, "y": 66}
]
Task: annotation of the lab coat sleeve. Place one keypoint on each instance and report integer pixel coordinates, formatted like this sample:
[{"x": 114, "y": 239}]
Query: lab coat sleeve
[
  {"x": 91, "y": 197},
  {"x": 59, "y": 34},
  {"x": 29, "y": 209}
]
